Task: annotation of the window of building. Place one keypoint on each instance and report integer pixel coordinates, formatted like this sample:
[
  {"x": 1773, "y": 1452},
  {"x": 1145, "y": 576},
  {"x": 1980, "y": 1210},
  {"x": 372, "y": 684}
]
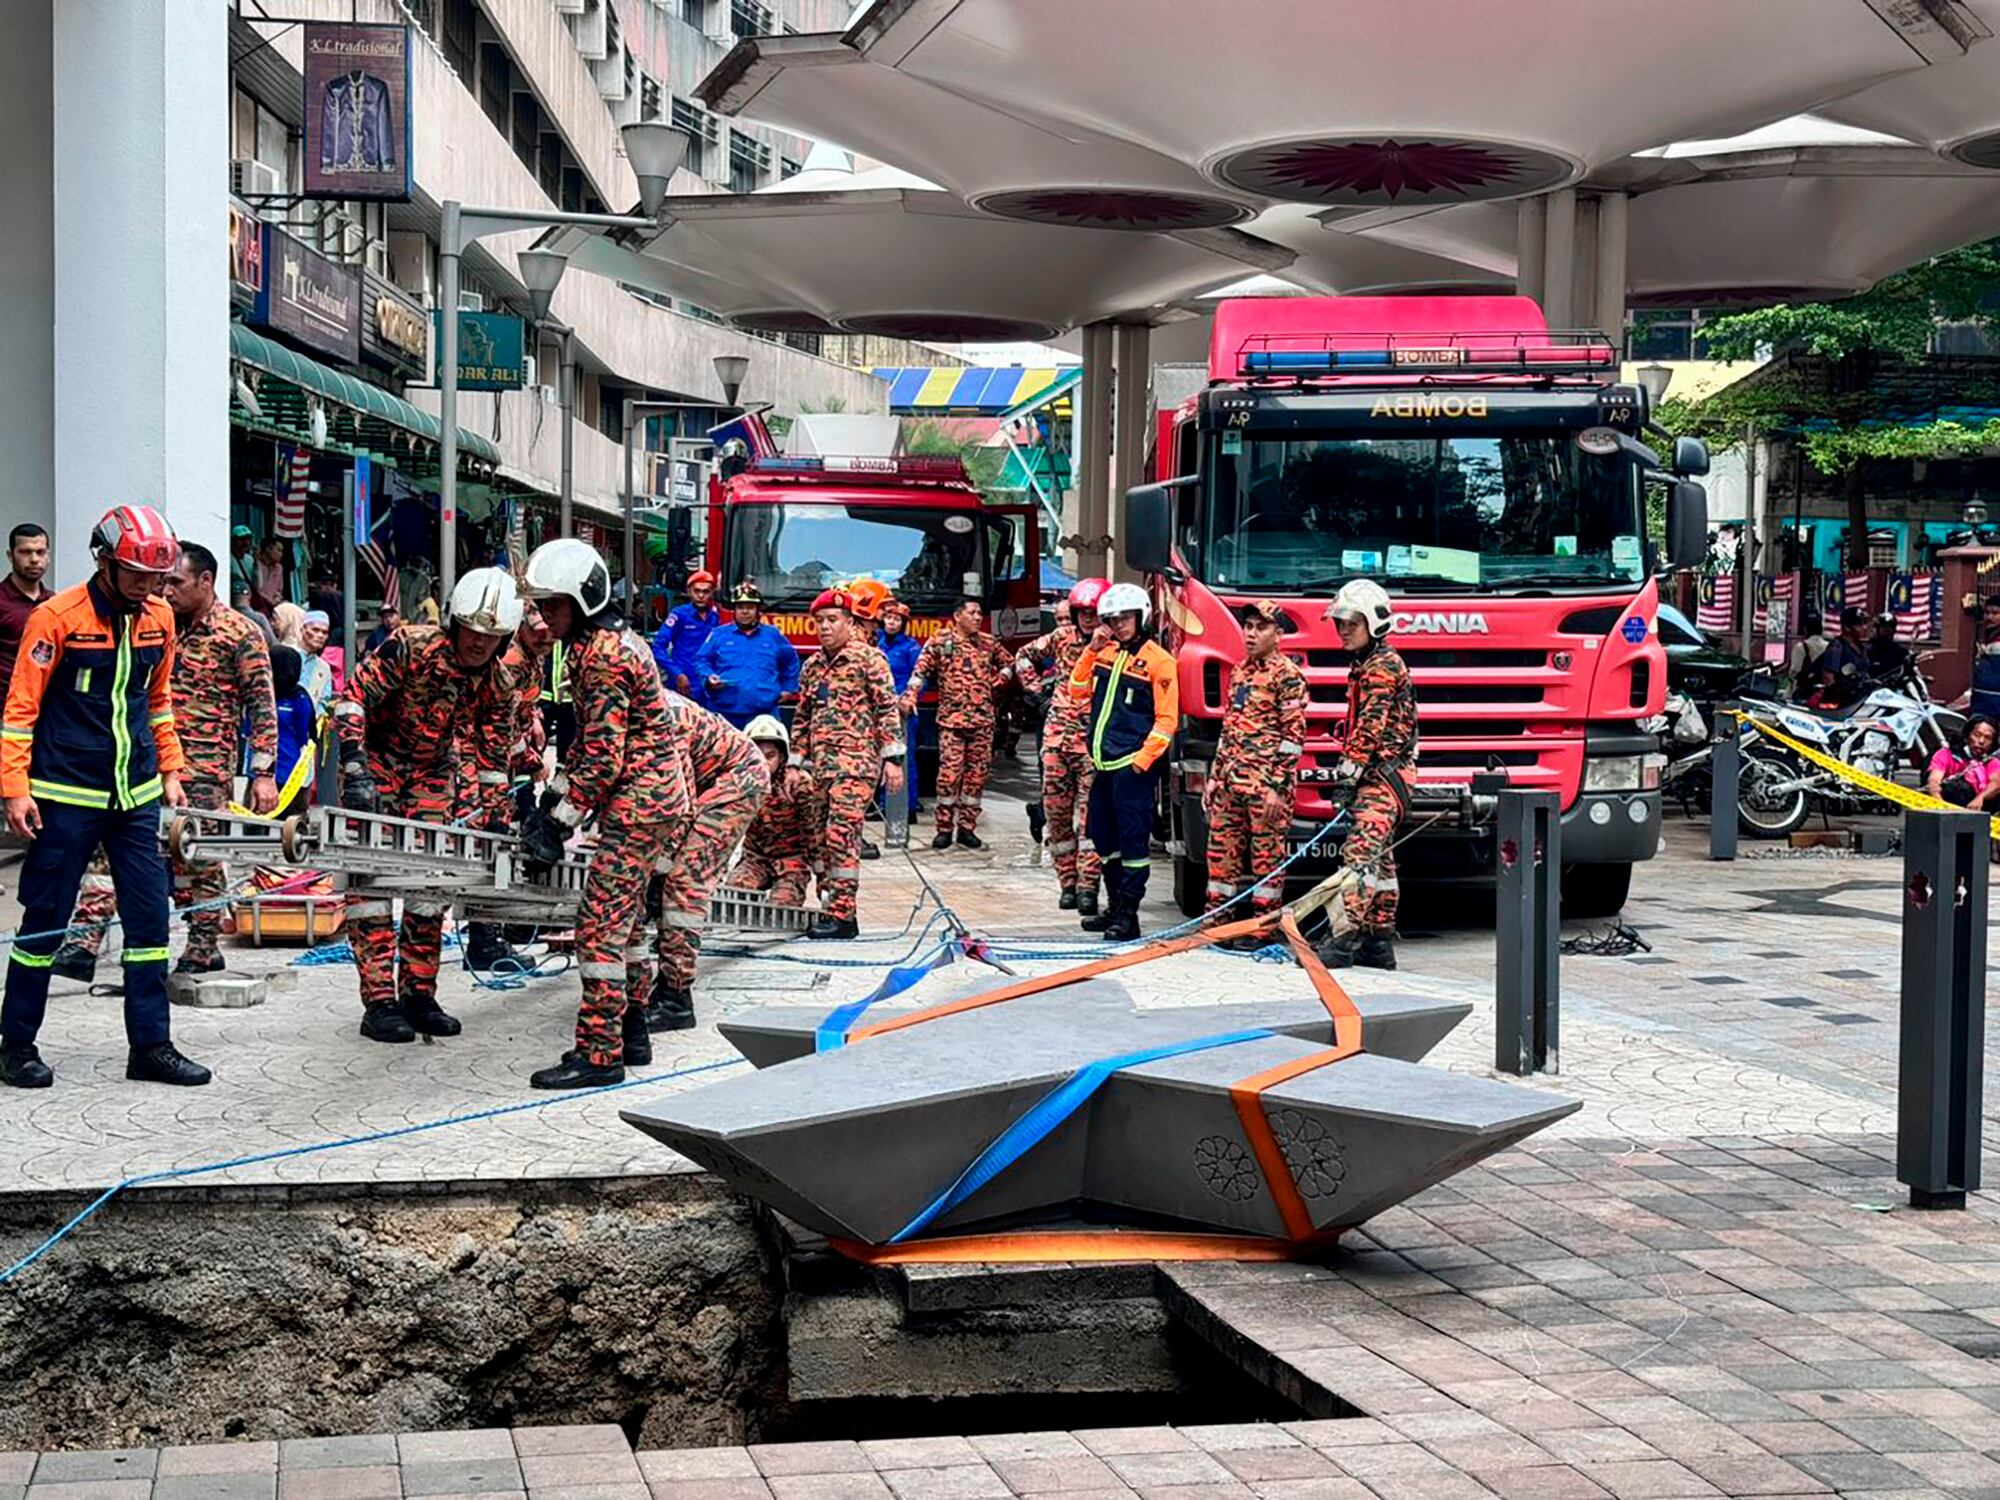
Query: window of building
[
  {"x": 1665, "y": 333},
  {"x": 788, "y": 168},
  {"x": 704, "y": 134},
  {"x": 262, "y": 144},
  {"x": 695, "y": 13},
  {"x": 749, "y": 162},
  {"x": 748, "y": 18},
  {"x": 649, "y": 98}
]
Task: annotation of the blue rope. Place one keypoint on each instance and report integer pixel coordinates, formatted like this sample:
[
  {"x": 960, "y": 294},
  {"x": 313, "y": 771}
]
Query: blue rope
[
  {"x": 1048, "y": 1112},
  {"x": 832, "y": 1032},
  {"x": 177, "y": 1173}
]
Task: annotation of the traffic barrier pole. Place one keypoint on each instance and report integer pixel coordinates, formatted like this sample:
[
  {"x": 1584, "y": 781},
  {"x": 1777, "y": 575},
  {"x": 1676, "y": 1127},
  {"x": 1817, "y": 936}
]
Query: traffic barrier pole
[
  {"x": 1527, "y": 842},
  {"x": 1725, "y": 768},
  {"x": 1941, "y": 1074}
]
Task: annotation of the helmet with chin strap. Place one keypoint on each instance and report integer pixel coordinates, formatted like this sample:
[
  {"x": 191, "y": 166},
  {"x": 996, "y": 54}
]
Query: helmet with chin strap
[
  {"x": 1125, "y": 599},
  {"x": 568, "y": 568},
  {"x": 136, "y": 537}
]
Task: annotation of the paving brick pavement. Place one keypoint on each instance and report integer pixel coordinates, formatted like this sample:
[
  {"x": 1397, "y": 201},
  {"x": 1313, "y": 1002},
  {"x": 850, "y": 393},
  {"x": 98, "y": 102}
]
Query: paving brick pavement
[{"x": 1766, "y": 1007}]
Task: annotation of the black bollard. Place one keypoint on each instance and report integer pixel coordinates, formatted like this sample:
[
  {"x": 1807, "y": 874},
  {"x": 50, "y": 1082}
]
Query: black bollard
[
  {"x": 1725, "y": 766},
  {"x": 1527, "y": 843},
  {"x": 1941, "y": 1075}
]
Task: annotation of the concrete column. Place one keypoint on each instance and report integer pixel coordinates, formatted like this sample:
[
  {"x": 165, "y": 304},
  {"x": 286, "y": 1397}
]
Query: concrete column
[
  {"x": 1531, "y": 237},
  {"x": 1134, "y": 435},
  {"x": 1093, "y": 448},
  {"x": 27, "y": 269},
  {"x": 1583, "y": 266},
  {"x": 1611, "y": 266},
  {"x": 1559, "y": 259},
  {"x": 141, "y": 295}
]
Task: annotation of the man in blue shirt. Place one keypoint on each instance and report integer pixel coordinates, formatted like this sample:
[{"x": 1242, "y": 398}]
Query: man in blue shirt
[
  {"x": 679, "y": 642},
  {"x": 747, "y": 666},
  {"x": 901, "y": 649}
]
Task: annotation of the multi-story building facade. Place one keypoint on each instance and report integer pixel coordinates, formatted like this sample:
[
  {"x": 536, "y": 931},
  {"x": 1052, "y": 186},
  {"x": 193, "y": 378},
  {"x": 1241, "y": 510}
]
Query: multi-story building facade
[{"x": 146, "y": 125}]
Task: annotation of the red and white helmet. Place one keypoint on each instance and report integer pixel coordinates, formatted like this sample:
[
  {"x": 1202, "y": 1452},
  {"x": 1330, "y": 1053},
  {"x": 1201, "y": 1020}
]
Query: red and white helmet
[
  {"x": 1087, "y": 593},
  {"x": 136, "y": 537}
]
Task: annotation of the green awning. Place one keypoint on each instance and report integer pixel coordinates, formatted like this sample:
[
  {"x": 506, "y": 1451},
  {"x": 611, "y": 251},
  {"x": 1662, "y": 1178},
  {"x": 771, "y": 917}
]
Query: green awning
[{"x": 373, "y": 405}]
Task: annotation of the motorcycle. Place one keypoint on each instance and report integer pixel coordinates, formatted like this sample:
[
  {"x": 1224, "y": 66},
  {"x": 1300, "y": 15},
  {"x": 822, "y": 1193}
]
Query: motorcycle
[{"x": 1894, "y": 725}]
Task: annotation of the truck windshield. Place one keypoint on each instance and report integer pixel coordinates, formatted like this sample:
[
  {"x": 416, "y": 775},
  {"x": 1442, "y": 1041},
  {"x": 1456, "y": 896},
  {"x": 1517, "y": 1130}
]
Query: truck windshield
[
  {"x": 929, "y": 557},
  {"x": 1481, "y": 513}
]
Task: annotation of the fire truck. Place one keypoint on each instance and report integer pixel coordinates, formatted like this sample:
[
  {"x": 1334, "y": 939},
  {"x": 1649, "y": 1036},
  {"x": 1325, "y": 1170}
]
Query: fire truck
[
  {"x": 1492, "y": 475},
  {"x": 796, "y": 524}
]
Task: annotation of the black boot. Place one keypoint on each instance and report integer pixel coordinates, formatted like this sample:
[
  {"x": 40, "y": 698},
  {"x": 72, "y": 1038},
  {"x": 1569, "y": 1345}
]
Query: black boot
[
  {"x": 1378, "y": 951},
  {"x": 23, "y": 1068},
  {"x": 74, "y": 961},
  {"x": 1098, "y": 920},
  {"x": 1067, "y": 901},
  {"x": 833, "y": 927},
  {"x": 1124, "y": 924},
  {"x": 870, "y": 851},
  {"x": 485, "y": 947},
  {"x": 942, "y": 841},
  {"x": 1037, "y": 821},
  {"x": 573, "y": 1072},
  {"x": 967, "y": 839},
  {"x": 1341, "y": 951},
  {"x": 387, "y": 1023},
  {"x": 638, "y": 1043},
  {"x": 1086, "y": 900},
  {"x": 669, "y": 1009},
  {"x": 422, "y": 1012},
  {"x": 213, "y": 964},
  {"x": 162, "y": 1063}
]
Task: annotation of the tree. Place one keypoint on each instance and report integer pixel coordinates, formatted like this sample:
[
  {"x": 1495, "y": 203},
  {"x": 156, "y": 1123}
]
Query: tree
[{"x": 1826, "y": 396}]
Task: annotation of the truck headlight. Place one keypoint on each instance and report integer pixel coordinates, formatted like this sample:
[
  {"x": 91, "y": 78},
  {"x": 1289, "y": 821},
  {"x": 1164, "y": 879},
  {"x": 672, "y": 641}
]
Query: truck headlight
[{"x": 1613, "y": 773}]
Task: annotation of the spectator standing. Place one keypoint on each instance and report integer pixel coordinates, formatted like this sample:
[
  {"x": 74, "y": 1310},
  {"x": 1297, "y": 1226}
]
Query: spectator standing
[
  {"x": 678, "y": 645},
  {"x": 21, "y": 590},
  {"x": 746, "y": 666},
  {"x": 269, "y": 589},
  {"x": 316, "y": 674},
  {"x": 1986, "y": 660},
  {"x": 1807, "y": 649},
  {"x": 385, "y": 626},
  {"x": 242, "y": 568}
]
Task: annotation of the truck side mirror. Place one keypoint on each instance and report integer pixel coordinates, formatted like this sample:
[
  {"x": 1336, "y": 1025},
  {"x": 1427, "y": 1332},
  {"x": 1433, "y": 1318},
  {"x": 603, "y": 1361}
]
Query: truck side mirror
[
  {"x": 1690, "y": 457},
  {"x": 1148, "y": 532},
  {"x": 1687, "y": 523}
]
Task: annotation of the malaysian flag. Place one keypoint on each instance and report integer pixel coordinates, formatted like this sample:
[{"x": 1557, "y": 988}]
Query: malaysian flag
[
  {"x": 1717, "y": 610},
  {"x": 372, "y": 553},
  {"x": 1854, "y": 591},
  {"x": 294, "y": 473},
  {"x": 1913, "y": 599}
]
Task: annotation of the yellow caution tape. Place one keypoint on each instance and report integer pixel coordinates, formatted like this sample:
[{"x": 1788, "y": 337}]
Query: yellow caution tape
[{"x": 1888, "y": 791}]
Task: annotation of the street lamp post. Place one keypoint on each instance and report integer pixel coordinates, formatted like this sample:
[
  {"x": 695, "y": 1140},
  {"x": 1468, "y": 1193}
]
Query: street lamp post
[{"x": 656, "y": 150}]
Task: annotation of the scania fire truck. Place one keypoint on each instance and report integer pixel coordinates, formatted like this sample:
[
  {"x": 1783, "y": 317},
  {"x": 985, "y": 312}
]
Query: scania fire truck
[{"x": 1491, "y": 475}]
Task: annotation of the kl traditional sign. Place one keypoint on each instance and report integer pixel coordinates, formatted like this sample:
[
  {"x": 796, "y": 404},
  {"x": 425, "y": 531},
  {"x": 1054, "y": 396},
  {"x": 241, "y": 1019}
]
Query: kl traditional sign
[
  {"x": 246, "y": 249},
  {"x": 309, "y": 299},
  {"x": 357, "y": 111},
  {"x": 491, "y": 352}
]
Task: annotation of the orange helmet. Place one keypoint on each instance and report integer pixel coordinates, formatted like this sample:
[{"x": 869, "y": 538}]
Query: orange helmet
[
  {"x": 869, "y": 595},
  {"x": 136, "y": 537}
]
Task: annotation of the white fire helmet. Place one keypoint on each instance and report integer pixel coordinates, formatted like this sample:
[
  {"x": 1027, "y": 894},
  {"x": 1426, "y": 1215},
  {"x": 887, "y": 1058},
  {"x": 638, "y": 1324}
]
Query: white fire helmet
[
  {"x": 568, "y": 568},
  {"x": 485, "y": 600},
  {"x": 769, "y": 729},
  {"x": 1124, "y": 599},
  {"x": 1362, "y": 599}
]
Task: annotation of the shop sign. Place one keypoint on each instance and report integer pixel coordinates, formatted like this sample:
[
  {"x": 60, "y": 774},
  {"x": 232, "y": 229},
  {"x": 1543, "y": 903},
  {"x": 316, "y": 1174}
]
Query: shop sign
[
  {"x": 492, "y": 352},
  {"x": 309, "y": 299},
  {"x": 246, "y": 251},
  {"x": 395, "y": 331},
  {"x": 357, "y": 111}
]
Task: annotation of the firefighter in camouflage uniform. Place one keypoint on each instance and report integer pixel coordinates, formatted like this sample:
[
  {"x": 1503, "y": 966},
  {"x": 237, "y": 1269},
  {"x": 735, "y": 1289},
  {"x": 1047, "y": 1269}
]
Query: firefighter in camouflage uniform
[
  {"x": 427, "y": 696},
  {"x": 970, "y": 668},
  {"x": 222, "y": 688},
  {"x": 776, "y": 848},
  {"x": 1378, "y": 767},
  {"x": 847, "y": 736},
  {"x": 629, "y": 770},
  {"x": 1248, "y": 798},
  {"x": 1045, "y": 664},
  {"x": 728, "y": 781}
]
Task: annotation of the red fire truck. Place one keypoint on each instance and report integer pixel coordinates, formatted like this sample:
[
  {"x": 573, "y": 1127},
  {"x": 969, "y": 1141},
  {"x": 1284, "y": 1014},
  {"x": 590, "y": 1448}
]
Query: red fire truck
[
  {"x": 796, "y": 525},
  {"x": 1491, "y": 474}
]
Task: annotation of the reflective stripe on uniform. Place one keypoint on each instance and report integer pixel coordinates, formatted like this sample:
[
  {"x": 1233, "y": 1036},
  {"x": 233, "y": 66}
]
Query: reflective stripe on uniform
[
  {"x": 164, "y": 716},
  {"x": 681, "y": 919},
  {"x": 637, "y": 955},
  {"x": 29, "y": 960},
  {"x": 493, "y": 778},
  {"x": 347, "y": 708},
  {"x": 945, "y": 802},
  {"x": 845, "y": 872},
  {"x": 11, "y": 732},
  {"x": 145, "y": 791},
  {"x": 601, "y": 970},
  {"x": 143, "y": 956},
  {"x": 69, "y": 796},
  {"x": 121, "y": 731},
  {"x": 1068, "y": 847},
  {"x": 360, "y": 909},
  {"x": 1286, "y": 747}
]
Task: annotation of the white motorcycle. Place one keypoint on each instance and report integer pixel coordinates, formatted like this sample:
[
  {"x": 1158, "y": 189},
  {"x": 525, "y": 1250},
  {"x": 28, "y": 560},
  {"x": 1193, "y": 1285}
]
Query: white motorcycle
[{"x": 1892, "y": 727}]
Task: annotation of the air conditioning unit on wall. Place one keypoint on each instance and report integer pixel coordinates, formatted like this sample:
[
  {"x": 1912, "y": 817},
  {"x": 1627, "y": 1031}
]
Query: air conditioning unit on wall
[{"x": 250, "y": 178}]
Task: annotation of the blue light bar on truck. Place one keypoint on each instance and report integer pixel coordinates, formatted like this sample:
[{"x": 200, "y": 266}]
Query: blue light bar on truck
[
  {"x": 1486, "y": 353},
  {"x": 929, "y": 468}
]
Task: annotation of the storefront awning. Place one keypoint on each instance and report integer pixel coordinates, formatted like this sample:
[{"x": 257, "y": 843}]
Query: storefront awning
[
  {"x": 377, "y": 410},
  {"x": 921, "y": 390}
]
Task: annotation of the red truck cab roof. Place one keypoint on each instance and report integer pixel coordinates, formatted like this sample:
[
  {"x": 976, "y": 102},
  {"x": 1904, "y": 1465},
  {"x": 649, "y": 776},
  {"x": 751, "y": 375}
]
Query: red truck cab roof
[{"x": 1303, "y": 337}]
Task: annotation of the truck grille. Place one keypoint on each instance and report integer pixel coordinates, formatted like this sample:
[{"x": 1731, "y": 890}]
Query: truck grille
[{"x": 1438, "y": 656}]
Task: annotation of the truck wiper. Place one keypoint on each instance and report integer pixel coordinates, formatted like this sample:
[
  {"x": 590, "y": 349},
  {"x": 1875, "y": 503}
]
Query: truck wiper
[
  {"x": 1421, "y": 584},
  {"x": 1551, "y": 580}
]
